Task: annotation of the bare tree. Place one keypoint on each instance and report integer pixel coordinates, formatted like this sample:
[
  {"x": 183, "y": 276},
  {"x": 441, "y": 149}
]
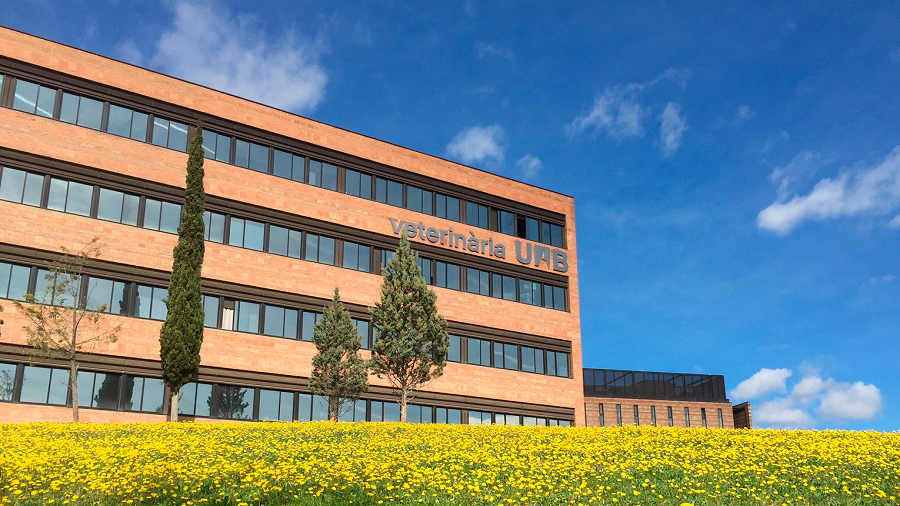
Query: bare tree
[{"x": 62, "y": 324}]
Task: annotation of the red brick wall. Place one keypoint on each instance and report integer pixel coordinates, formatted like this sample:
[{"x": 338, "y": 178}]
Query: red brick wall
[{"x": 592, "y": 410}]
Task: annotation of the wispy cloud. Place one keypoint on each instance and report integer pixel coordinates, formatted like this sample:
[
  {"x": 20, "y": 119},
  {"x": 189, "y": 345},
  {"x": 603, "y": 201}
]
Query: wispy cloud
[
  {"x": 671, "y": 128},
  {"x": 797, "y": 171},
  {"x": 492, "y": 49},
  {"x": 744, "y": 114},
  {"x": 529, "y": 167},
  {"x": 873, "y": 190},
  {"x": 478, "y": 144},
  {"x": 882, "y": 280},
  {"x": 209, "y": 45},
  {"x": 811, "y": 401}
]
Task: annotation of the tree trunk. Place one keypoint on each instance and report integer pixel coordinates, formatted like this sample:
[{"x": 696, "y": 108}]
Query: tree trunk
[
  {"x": 404, "y": 395},
  {"x": 334, "y": 406},
  {"x": 73, "y": 386},
  {"x": 173, "y": 406}
]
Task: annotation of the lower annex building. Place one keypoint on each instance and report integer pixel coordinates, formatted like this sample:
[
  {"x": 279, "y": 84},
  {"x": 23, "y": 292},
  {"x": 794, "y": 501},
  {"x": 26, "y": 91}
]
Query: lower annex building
[{"x": 92, "y": 147}]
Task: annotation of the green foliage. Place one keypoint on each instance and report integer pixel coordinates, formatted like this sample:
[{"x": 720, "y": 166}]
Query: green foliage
[
  {"x": 61, "y": 326},
  {"x": 339, "y": 373},
  {"x": 182, "y": 333},
  {"x": 412, "y": 341}
]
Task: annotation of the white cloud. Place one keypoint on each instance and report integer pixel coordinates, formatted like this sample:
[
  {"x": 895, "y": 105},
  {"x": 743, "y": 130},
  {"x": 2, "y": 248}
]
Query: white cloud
[
  {"x": 671, "y": 128},
  {"x": 206, "y": 44},
  {"x": 763, "y": 382},
  {"x": 882, "y": 280},
  {"x": 843, "y": 401},
  {"x": 487, "y": 49},
  {"x": 529, "y": 166},
  {"x": 808, "y": 389},
  {"x": 129, "y": 52},
  {"x": 799, "y": 169},
  {"x": 782, "y": 413},
  {"x": 616, "y": 112},
  {"x": 478, "y": 144},
  {"x": 874, "y": 190},
  {"x": 894, "y": 223},
  {"x": 743, "y": 114}
]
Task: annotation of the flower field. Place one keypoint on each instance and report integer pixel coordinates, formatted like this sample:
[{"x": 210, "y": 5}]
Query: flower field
[{"x": 383, "y": 463}]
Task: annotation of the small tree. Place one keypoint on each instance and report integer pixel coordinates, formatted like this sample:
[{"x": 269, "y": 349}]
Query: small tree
[
  {"x": 62, "y": 324},
  {"x": 182, "y": 333},
  {"x": 339, "y": 373},
  {"x": 412, "y": 341}
]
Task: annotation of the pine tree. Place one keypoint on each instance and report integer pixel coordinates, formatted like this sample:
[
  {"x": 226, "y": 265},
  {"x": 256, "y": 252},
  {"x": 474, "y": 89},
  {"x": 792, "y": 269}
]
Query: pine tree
[
  {"x": 412, "y": 341},
  {"x": 182, "y": 332},
  {"x": 339, "y": 373}
]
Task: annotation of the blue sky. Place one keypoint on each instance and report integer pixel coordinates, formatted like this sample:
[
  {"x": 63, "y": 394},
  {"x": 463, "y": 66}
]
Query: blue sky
[{"x": 736, "y": 167}]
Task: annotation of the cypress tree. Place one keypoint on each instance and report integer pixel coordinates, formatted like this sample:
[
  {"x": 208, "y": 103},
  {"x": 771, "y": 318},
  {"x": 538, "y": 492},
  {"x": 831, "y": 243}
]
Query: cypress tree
[
  {"x": 339, "y": 373},
  {"x": 412, "y": 341},
  {"x": 182, "y": 332}
]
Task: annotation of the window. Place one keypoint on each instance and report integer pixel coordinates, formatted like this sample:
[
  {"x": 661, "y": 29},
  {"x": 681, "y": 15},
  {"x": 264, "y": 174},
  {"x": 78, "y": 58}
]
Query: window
[
  {"x": 448, "y": 415},
  {"x": 276, "y": 406},
  {"x": 506, "y": 356},
  {"x": 506, "y": 222},
  {"x": 478, "y": 281},
  {"x": 162, "y": 216},
  {"x": 721, "y": 422},
  {"x": 319, "y": 249},
  {"x": 454, "y": 351},
  {"x": 285, "y": 242},
  {"x": 81, "y": 111},
  {"x": 354, "y": 413},
  {"x": 529, "y": 292},
  {"x": 308, "y": 325},
  {"x": 251, "y": 156},
  {"x": 653, "y": 415},
  {"x": 556, "y": 236},
  {"x": 21, "y": 187},
  {"x": 210, "y": 311},
  {"x": 619, "y": 414},
  {"x": 363, "y": 331},
  {"x": 106, "y": 295},
  {"x": 528, "y": 228},
  {"x": 323, "y": 174},
  {"x": 478, "y": 351},
  {"x": 357, "y": 257},
  {"x": 703, "y": 416},
  {"x": 562, "y": 364},
  {"x": 671, "y": 418},
  {"x": 602, "y": 420},
  {"x": 127, "y": 123},
  {"x": 555, "y": 297},
  {"x": 34, "y": 99},
  {"x": 149, "y": 302},
  {"x": 281, "y": 322},
  {"x": 43, "y": 385},
  {"x": 476, "y": 215},
  {"x": 532, "y": 360},
  {"x": 479, "y": 418},
  {"x": 246, "y": 316},
  {"x": 358, "y": 184},
  {"x": 503, "y": 287},
  {"x": 446, "y": 275},
  {"x": 214, "y": 226},
  {"x": 419, "y": 200},
  {"x": 118, "y": 207},
  {"x": 385, "y": 411},
  {"x": 70, "y": 197},
  {"x": 288, "y": 166},
  {"x": 170, "y": 134},
  {"x": 503, "y": 419},
  {"x": 637, "y": 418},
  {"x": 247, "y": 234},
  {"x": 7, "y": 381},
  {"x": 687, "y": 417},
  {"x": 216, "y": 146},
  {"x": 98, "y": 390},
  {"x": 145, "y": 395},
  {"x": 425, "y": 270},
  {"x": 446, "y": 207},
  {"x": 14, "y": 281},
  {"x": 233, "y": 402},
  {"x": 418, "y": 414},
  {"x": 388, "y": 192}
]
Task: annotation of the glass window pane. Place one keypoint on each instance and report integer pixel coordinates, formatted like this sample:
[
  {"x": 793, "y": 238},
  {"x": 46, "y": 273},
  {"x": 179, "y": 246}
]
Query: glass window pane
[
  {"x": 254, "y": 235},
  {"x": 153, "y": 396},
  {"x": 531, "y": 229},
  {"x": 395, "y": 194},
  {"x": 90, "y": 113},
  {"x": 7, "y": 381},
  {"x": 57, "y": 198},
  {"x": 35, "y": 384},
  {"x": 562, "y": 365},
  {"x": 291, "y": 317},
  {"x": 177, "y": 136},
  {"x": 509, "y": 288},
  {"x": 278, "y": 240},
  {"x": 119, "y": 121},
  {"x": 294, "y": 243},
  {"x": 134, "y": 389},
  {"x": 99, "y": 294},
  {"x": 365, "y": 259},
  {"x": 309, "y": 324},
  {"x": 286, "y": 410},
  {"x": 559, "y": 298},
  {"x": 170, "y": 218},
  {"x": 319, "y": 408},
  {"x": 545, "y": 232},
  {"x": 365, "y": 186},
  {"x": 414, "y": 198},
  {"x": 26, "y": 96},
  {"x": 511, "y": 356},
  {"x": 160, "y": 132},
  {"x": 209, "y": 144},
  {"x": 274, "y": 321},
  {"x": 151, "y": 213},
  {"x": 139, "y": 126},
  {"x": 351, "y": 184},
  {"x": 351, "y": 255},
  {"x": 233, "y": 402},
  {"x": 59, "y": 387},
  {"x": 259, "y": 158},
  {"x": 241, "y": 153},
  {"x": 315, "y": 173},
  {"x": 248, "y": 317},
  {"x": 281, "y": 164},
  {"x": 109, "y": 206},
  {"x": 391, "y": 412},
  {"x": 453, "y": 277},
  {"x": 223, "y": 148},
  {"x": 12, "y": 185},
  {"x": 187, "y": 399},
  {"x": 79, "y": 199},
  {"x": 215, "y": 226},
  {"x": 204, "y": 399},
  {"x": 326, "y": 250},
  {"x": 453, "y": 353},
  {"x": 329, "y": 176},
  {"x": 236, "y": 232},
  {"x": 298, "y": 172},
  {"x": 68, "y": 112},
  {"x": 507, "y": 223},
  {"x": 106, "y": 391},
  {"x": 304, "y": 411},
  {"x": 159, "y": 309},
  {"x": 527, "y": 359},
  {"x": 269, "y": 404},
  {"x": 210, "y": 311},
  {"x": 312, "y": 248}
]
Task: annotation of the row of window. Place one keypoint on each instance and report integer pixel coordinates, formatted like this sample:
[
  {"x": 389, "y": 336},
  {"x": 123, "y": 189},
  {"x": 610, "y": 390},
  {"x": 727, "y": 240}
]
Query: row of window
[
  {"x": 143, "y": 301},
  {"x": 670, "y": 416},
  {"x": 125, "y": 392},
  {"x": 653, "y": 385},
  {"x": 103, "y": 116},
  {"x": 112, "y": 205}
]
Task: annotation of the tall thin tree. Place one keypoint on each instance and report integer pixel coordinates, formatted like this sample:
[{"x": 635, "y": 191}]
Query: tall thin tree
[
  {"x": 339, "y": 373},
  {"x": 412, "y": 340},
  {"x": 182, "y": 333}
]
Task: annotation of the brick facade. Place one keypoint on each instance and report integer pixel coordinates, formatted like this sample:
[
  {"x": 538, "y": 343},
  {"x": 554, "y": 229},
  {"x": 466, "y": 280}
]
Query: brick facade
[{"x": 695, "y": 410}]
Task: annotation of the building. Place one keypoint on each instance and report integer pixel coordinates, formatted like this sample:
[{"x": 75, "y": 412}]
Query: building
[{"x": 92, "y": 147}]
